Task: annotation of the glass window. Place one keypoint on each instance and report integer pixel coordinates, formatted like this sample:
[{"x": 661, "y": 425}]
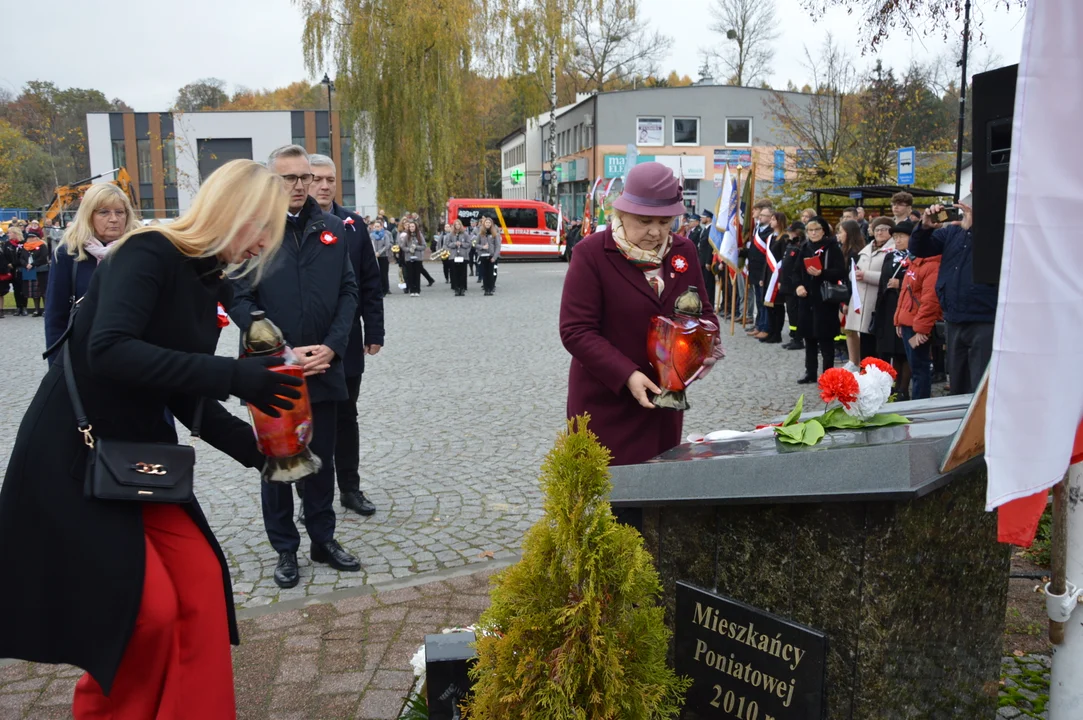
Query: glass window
[
  {"x": 551, "y": 220},
  {"x": 299, "y": 141},
  {"x": 347, "y": 170},
  {"x": 171, "y": 208},
  {"x": 738, "y": 131},
  {"x": 146, "y": 204},
  {"x": 521, "y": 217},
  {"x": 323, "y": 146},
  {"x": 119, "y": 156},
  {"x": 349, "y": 202},
  {"x": 650, "y": 131},
  {"x": 169, "y": 162},
  {"x": 146, "y": 166},
  {"x": 686, "y": 131}
]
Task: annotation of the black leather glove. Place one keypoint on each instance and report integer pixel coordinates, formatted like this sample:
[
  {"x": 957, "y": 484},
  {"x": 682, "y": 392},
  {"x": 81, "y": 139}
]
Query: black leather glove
[{"x": 265, "y": 389}]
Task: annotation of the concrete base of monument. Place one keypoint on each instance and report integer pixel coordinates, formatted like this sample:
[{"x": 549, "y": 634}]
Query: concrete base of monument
[{"x": 909, "y": 588}]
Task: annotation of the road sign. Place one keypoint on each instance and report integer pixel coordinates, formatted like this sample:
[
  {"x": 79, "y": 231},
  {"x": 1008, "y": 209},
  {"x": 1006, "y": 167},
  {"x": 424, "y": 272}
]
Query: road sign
[
  {"x": 906, "y": 166},
  {"x": 516, "y": 176},
  {"x": 545, "y": 177}
]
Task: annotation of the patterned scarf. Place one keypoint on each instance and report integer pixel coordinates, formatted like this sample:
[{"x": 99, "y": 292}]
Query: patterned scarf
[{"x": 649, "y": 261}]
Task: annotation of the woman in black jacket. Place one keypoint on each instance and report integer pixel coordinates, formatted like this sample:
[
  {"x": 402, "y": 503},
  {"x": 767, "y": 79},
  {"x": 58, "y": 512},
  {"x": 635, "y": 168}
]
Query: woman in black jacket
[
  {"x": 32, "y": 258},
  {"x": 789, "y": 279},
  {"x": 889, "y": 345},
  {"x": 820, "y": 261},
  {"x": 776, "y": 245},
  {"x": 138, "y": 594}
]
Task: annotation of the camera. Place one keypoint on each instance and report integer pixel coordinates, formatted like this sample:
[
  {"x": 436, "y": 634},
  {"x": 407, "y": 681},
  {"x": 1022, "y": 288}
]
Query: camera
[{"x": 949, "y": 213}]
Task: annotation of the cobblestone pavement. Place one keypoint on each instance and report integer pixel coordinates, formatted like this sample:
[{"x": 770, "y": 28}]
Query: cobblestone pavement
[
  {"x": 1024, "y": 687},
  {"x": 346, "y": 658},
  {"x": 456, "y": 415}
]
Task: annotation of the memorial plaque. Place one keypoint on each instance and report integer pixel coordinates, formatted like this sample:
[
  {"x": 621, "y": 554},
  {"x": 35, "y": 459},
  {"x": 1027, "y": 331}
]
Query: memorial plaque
[
  {"x": 448, "y": 658},
  {"x": 746, "y": 663}
]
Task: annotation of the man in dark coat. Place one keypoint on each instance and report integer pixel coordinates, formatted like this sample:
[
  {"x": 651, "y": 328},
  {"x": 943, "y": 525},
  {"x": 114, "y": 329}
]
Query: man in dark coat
[
  {"x": 706, "y": 254},
  {"x": 970, "y": 308},
  {"x": 364, "y": 340},
  {"x": 757, "y": 263},
  {"x": 310, "y": 293}
]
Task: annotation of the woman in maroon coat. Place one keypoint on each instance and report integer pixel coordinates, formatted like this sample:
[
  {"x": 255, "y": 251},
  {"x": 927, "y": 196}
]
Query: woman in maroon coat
[{"x": 618, "y": 280}]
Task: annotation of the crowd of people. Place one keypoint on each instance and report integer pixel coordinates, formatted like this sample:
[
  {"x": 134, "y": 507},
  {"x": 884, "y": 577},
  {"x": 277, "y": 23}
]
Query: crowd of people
[
  {"x": 897, "y": 287},
  {"x": 25, "y": 262}
]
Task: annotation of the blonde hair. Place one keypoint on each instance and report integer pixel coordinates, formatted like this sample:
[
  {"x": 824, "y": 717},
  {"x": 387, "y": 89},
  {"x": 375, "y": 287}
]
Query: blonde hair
[
  {"x": 458, "y": 227},
  {"x": 491, "y": 230},
  {"x": 13, "y": 229},
  {"x": 239, "y": 193},
  {"x": 82, "y": 228}
]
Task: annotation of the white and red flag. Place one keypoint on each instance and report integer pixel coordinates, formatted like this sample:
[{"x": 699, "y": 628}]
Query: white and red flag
[
  {"x": 855, "y": 295},
  {"x": 1035, "y": 391}
]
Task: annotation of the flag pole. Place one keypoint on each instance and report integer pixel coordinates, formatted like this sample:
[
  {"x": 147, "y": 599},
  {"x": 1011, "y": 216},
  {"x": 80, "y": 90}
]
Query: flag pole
[
  {"x": 1059, "y": 554},
  {"x": 733, "y": 301}
]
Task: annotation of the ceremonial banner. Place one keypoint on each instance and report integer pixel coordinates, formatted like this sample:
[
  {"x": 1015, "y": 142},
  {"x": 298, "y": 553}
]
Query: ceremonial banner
[
  {"x": 724, "y": 234},
  {"x": 1035, "y": 395}
]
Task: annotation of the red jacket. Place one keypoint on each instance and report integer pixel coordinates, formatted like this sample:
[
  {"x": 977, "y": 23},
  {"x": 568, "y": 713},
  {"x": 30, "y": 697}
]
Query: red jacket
[
  {"x": 918, "y": 306},
  {"x": 605, "y": 312}
]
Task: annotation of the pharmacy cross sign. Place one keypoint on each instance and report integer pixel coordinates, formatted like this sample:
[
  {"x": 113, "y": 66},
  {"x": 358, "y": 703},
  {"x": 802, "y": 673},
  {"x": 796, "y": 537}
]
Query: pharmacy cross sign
[{"x": 516, "y": 176}]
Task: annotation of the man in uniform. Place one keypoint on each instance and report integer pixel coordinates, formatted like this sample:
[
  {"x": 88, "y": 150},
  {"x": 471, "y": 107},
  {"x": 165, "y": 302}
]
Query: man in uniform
[
  {"x": 308, "y": 290},
  {"x": 366, "y": 339}
]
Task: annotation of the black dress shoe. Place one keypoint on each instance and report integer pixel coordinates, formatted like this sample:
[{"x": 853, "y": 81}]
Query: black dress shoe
[
  {"x": 355, "y": 500},
  {"x": 771, "y": 340},
  {"x": 431, "y": 283},
  {"x": 286, "y": 575},
  {"x": 332, "y": 554},
  {"x": 807, "y": 380},
  {"x": 795, "y": 346}
]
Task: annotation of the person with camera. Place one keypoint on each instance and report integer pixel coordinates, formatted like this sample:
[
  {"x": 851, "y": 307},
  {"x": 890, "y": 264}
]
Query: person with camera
[
  {"x": 820, "y": 266},
  {"x": 969, "y": 307}
]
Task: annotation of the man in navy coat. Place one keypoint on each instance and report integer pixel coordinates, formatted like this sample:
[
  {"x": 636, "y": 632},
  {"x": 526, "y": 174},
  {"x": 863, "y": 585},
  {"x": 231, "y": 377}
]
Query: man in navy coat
[
  {"x": 308, "y": 290},
  {"x": 366, "y": 334}
]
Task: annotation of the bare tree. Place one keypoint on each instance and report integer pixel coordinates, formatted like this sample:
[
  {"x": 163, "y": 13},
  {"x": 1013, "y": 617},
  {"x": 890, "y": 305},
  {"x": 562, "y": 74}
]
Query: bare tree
[
  {"x": 613, "y": 44},
  {"x": 822, "y": 121},
  {"x": 748, "y": 30}
]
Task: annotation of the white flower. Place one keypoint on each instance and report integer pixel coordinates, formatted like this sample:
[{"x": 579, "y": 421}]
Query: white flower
[
  {"x": 874, "y": 390},
  {"x": 418, "y": 662}
]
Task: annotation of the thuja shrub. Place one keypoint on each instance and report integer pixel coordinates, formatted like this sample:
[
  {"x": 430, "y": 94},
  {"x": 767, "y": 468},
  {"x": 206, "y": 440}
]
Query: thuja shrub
[{"x": 574, "y": 629}]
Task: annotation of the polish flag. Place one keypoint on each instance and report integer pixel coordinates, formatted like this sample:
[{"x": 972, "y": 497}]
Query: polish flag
[
  {"x": 1035, "y": 386},
  {"x": 855, "y": 296}
]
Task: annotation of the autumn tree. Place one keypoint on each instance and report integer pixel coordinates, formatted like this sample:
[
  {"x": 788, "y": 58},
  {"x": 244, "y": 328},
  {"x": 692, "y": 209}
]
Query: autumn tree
[
  {"x": 25, "y": 176},
  {"x": 55, "y": 120},
  {"x": 612, "y": 45},
  {"x": 880, "y": 17},
  {"x": 205, "y": 94},
  {"x": 821, "y": 122},
  {"x": 747, "y": 31},
  {"x": 298, "y": 95}
]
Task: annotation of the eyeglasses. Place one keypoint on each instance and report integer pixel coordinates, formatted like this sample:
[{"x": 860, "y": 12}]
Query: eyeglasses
[
  {"x": 112, "y": 213},
  {"x": 814, "y": 230},
  {"x": 291, "y": 180},
  {"x": 883, "y": 228}
]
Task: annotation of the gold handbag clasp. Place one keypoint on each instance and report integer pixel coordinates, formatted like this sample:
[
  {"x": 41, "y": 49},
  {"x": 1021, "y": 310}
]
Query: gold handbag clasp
[{"x": 149, "y": 468}]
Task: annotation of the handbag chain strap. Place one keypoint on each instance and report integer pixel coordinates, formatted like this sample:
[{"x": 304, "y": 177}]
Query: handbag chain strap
[{"x": 81, "y": 420}]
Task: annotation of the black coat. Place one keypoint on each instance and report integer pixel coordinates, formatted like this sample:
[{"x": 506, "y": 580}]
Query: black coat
[
  {"x": 40, "y": 256},
  {"x": 888, "y": 343},
  {"x": 143, "y": 341},
  {"x": 8, "y": 264},
  {"x": 777, "y": 246},
  {"x": 961, "y": 299},
  {"x": 790, "y": 274},
  {"x": 757, "y": 261},
  {"x": 370, "y": 291},
  {"x": 309, "y": 291},
  {"x": 819, "y": 320}
]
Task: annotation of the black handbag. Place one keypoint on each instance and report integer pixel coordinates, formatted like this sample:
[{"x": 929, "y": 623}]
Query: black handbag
[
  {"x": 834, "y": 293},
  {"x": 122, "y": 470}
]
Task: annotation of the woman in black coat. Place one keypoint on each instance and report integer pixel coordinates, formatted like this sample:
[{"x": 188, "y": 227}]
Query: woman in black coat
[
  {"x": 819, "y": 321},
  {"x": 889, "y": 345},
  {"x": 138, "y": 594}
]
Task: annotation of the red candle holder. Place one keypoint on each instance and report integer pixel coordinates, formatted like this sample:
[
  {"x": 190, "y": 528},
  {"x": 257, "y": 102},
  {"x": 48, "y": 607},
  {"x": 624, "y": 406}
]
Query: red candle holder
[{"x": 677, "y": 346}]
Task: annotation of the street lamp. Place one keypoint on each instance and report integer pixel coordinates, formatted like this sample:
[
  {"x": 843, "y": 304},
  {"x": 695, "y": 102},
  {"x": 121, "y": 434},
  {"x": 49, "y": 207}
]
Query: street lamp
[{"x": 330, "y": 128}]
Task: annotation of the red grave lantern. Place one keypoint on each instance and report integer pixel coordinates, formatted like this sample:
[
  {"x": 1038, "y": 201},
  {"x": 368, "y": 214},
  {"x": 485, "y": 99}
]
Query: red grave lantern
[
  {"x": 283, "y": 440},
  {"x": 677, "y": 346}
]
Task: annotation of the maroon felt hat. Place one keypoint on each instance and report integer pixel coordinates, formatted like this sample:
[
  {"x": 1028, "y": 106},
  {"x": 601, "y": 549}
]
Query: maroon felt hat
[{"x": 651, "y": 190}]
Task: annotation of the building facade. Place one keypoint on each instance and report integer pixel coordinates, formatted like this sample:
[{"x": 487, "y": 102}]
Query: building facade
[
  {"x": 696, "y": 130},
  {"x": 168, "y": 154},
  {"x": 522, "y": 155}
]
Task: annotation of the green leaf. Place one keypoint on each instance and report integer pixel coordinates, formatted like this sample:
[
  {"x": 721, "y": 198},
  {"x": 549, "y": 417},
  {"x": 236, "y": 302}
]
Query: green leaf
[
  {"x": 884, "y": 419},
  {"x": 795, "y": 414},
  {"x": 814, "y": 432},
  {"x": 791, "y": 434},
  {"x": 837, "y": 419}
]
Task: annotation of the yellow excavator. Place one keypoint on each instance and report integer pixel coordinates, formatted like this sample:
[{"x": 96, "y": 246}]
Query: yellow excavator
[{"x": 66, "y": 197}]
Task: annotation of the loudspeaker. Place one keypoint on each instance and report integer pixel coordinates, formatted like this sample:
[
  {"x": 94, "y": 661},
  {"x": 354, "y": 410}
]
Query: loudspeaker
[{"x": 994, "y": 105}]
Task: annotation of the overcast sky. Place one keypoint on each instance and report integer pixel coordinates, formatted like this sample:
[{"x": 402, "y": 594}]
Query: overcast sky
[{"x": 142, "y": 51}]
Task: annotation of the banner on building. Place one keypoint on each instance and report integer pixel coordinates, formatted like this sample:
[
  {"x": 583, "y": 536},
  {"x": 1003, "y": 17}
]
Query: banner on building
[{"x": 735, "y": 158}]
